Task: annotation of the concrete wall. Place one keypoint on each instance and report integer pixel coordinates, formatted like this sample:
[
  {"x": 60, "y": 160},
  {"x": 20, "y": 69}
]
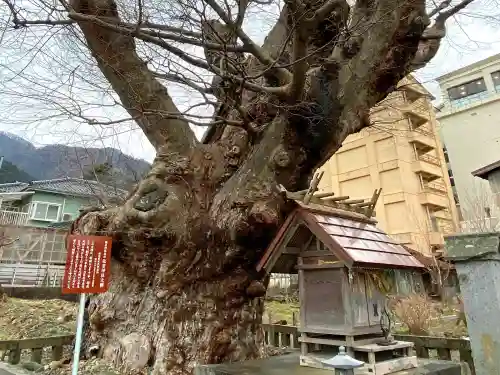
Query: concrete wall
[{"x": 471, "y": 135}]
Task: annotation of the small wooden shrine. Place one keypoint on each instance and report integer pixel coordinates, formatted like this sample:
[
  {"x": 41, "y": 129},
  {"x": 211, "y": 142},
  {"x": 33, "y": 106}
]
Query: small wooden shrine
[{"x": 347, "y": 267}]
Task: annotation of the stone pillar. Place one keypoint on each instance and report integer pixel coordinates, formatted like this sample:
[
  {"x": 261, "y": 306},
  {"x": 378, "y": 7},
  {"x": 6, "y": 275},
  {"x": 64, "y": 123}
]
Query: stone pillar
[{"x": 477, "y": 261}]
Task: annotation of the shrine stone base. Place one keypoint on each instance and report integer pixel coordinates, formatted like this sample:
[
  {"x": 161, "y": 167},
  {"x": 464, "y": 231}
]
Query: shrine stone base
[
  {"x": 379, "y": 359},
  {"x": 289, "y": 364}
]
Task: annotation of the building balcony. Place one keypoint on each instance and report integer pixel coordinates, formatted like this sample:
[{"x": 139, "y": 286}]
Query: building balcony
[
  {"x": 434, "y": 201},
  {"x": 443, "y": 215},
  {"x": 13, "y": 218},
  {"x": 436, "y": 186},
  {"x": 416, "y": 112},
  {"x": 423, "y": 140},
  {"x": 428, "y": 167}
]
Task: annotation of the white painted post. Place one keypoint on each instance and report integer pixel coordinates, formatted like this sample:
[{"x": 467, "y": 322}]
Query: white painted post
[{"x": 78, "y": 336}]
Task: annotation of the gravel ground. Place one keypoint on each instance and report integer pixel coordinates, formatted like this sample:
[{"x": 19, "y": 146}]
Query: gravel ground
[{"x": 21, "y": 319}]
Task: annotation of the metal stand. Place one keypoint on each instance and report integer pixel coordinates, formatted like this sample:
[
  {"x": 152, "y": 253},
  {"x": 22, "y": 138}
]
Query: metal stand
[{"x": 78, "y": 337}]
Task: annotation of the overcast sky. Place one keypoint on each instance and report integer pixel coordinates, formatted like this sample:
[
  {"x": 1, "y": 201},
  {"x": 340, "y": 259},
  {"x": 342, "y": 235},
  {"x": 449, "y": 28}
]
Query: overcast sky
[{"x": 471, "y": 37}]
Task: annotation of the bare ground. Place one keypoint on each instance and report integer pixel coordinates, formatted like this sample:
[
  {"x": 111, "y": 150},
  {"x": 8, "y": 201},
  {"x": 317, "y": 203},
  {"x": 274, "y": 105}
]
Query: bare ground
[{"x": 21, "y": 319}]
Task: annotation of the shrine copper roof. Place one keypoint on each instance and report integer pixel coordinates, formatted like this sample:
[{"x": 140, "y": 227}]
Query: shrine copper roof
[{"x": 354, "y": 240}]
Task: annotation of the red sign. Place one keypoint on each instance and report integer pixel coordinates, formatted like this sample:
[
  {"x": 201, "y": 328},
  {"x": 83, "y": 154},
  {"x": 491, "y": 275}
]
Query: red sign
[{"x": 87, "y": 264}]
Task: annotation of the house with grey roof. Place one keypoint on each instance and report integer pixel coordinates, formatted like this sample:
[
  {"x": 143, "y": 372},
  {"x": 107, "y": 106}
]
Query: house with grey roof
[{"x": 52, "y": 203}]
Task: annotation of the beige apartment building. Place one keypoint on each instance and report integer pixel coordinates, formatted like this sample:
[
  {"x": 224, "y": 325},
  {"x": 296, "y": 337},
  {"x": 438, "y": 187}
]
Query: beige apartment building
[
  {"x": 470, "y": 130},
  {"x": 402, "y": 154}
]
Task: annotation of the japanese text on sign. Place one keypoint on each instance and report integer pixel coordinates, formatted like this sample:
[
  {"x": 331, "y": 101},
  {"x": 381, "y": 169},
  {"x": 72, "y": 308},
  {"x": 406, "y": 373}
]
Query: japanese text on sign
[{"x": 87, "y": 264}]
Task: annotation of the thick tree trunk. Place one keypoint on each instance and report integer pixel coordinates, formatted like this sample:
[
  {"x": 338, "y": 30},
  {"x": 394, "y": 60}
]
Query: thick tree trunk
[
  {"x": 184, "y": 290},
  {"x": 208, "y": 321}
]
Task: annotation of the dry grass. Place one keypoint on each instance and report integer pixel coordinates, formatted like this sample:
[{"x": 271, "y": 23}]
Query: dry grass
[
  {"x": 415, "y": 312},
  {"x": 21, "y": 319},
  {"x": 279, "y": 311}
]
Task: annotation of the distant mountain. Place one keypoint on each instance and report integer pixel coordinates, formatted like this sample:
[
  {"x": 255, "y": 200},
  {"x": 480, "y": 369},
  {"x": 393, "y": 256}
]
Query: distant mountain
[
  {"x": 57, "y": 161},
  {"x": 10, "y": 173}
]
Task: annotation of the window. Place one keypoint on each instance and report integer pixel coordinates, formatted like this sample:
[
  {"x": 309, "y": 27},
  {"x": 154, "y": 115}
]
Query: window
[
  {"x": 446, "y": 157},
  {"x": 67, "y": 217},
  {"x": 494, "y": 180},
  {"x": 434, "y": 224},
  {"x": 467, "y": 93},
  {"x": 45, "y": 211},
  {"x": 495, "y": 76},
  {"x": 459, "y": 212},
  {"x": 487, "y": 211}
]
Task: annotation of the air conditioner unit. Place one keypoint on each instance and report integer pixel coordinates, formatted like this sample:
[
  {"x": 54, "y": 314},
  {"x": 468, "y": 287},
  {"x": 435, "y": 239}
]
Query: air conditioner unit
[{"x": 67, "y": 217}]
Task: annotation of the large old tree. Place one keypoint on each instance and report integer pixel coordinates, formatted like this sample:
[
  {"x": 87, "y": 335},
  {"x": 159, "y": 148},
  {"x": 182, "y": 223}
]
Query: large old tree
[{"x": 184, "y": 289}]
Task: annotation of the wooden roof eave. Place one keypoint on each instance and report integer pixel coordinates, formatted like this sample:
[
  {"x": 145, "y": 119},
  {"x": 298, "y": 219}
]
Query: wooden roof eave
[
  {"x": 276, "y": 244},
  {"x": 300, "y": 216}
]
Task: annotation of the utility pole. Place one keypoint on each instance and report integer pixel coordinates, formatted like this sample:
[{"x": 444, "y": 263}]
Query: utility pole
[{"x": 1, "y": 161}]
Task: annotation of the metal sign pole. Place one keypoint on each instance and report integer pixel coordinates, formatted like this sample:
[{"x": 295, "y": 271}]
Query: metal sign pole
[
  {"x": 79, "y": 332},
  {"x": 86, "y": 272}
]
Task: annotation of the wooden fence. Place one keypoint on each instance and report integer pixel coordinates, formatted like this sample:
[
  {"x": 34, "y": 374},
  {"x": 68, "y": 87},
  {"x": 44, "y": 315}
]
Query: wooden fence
[
  {"x": 14, "y": 348},
  {"x": 444, "y": 348},
  {"x": 281, "y": 336}
]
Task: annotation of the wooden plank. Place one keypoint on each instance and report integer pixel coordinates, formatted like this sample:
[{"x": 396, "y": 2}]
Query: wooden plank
[
  {"x": 422, "y": 352},
  {"x": 37, "y": 343},
  {"x": 290, "y": 330},
  {"x": 313, "y": 186},
  {"x": 466, "y": 356},
  {"x": 36, "y": 355},
  {"x": 436, "y": 342},
  {"x": 337, "y": 199},
  {"x": 338, "y": 264},
  {"x": 317, "y": 340},
  {"x": 323, "y": 195},
  {"x": 291, "y": 250},
  {"x": 316, "y": 253},
  {"x": 14, "y": 355},
  {"x": 295, "y": 342},
  {"x": 444, "y": 354},
  {"x": 57, "y": 352},
  {"x": 286, "y": 237},
  {"x": 375, "y": 348}
]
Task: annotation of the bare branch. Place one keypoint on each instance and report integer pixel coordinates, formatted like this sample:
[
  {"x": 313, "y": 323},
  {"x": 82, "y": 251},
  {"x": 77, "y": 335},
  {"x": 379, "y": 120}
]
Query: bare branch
[
  {"x": 325, "y": 11},
  {"x": 443, "y": 5},
  {"x": 283, "y": 75},
  {"x": 136, "y": 86},
  {"x": 443, "y": 16},
  {"x": 431, "y": 38},
  {"x": 299, "y": 48}
]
